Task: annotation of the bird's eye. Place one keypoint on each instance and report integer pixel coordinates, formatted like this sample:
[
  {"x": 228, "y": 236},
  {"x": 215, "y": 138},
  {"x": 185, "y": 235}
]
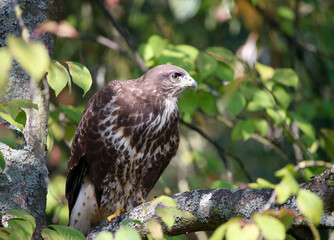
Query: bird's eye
[{"x": 175, "y": 76}]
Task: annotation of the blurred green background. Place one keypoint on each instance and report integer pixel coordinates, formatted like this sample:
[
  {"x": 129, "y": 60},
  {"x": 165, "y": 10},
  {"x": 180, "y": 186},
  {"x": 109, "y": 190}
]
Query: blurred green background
[{"x": 296, "y": 34}]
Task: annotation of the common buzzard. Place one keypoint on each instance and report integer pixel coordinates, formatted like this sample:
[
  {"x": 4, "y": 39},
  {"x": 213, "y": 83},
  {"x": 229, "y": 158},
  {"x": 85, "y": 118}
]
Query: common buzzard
[{"x": 126, "y": 137}]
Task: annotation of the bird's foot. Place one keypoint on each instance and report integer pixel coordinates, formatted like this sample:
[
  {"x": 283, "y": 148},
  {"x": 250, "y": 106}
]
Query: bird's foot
[{"x": 116, "y": 214}]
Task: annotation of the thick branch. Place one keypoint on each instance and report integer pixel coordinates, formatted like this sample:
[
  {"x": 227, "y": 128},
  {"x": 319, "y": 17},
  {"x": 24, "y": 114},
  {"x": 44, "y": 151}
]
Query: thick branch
[{"x": 214, "y": 207}]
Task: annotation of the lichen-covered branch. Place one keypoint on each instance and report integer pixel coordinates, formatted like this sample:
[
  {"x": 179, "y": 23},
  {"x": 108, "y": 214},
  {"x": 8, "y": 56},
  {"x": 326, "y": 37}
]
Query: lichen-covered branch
[
  {"x": 23, "y": 184},
  {"x": 216, "y": 206}
]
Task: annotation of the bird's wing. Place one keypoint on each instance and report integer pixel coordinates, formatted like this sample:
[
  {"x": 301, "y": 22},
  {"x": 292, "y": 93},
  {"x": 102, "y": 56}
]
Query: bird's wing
[{"x": 87, "y": 147}]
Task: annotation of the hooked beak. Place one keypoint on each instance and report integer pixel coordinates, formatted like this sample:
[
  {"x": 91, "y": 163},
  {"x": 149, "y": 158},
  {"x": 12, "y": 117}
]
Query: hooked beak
[{"x": 188, "y": 81}]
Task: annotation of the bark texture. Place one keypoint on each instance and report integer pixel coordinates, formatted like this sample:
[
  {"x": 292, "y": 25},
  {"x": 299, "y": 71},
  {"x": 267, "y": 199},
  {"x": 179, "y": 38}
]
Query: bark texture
[
  {"x": 214, "y": 207},
  {"x": 23, "y": 185}
]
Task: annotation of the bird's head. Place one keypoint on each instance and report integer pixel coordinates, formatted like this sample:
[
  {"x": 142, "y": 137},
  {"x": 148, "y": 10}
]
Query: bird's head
[{"x": 170, "y": 80}]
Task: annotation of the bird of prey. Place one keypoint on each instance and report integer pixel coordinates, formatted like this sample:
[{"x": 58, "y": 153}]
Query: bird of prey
[{"x": 126, "y": 137}]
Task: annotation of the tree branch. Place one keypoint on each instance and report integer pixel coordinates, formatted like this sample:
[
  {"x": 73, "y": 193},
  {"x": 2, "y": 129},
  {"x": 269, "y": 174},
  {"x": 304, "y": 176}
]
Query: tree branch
[
  {"x": 121, "y": 31},
  {"x": 212, "y": 207}
]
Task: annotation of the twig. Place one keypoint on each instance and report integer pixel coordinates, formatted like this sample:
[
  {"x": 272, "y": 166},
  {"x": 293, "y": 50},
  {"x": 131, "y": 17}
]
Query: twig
[
  {"x": 127, "y": 39},
  {"x": 104, "y": 41},
  {"x": 221, "y": 151}
]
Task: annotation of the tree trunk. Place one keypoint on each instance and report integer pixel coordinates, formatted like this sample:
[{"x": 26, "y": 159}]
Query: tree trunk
[{"x": 23, "y": 185}]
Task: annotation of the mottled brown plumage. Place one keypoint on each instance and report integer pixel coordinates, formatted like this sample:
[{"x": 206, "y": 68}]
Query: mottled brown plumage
[{"x": 126, "y": 137}]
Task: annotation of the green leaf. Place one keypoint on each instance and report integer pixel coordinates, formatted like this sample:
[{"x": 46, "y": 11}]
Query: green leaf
[
  {"x": 104, "y": 236},
  {"x": 22, "y": 229},
  {"x": 237, "y": 103},
  {"x": 49, "y": 234},
  {"x": 277, "y": 115},
  {"x": 261, "y": 183},
  {"x": 32, "y": 56},
  {"x": 155, "y": 229},
  {"x": 6, "y": 64},
  {"x": 206, "y": 102},
  {"x": 286, "y": 77},
  {"x": 57, "y": 76},
  {"x": 126, "y": 233},
  {"x": 4, "y": 233},
  {"x": 286, "y": 12},
  {"x": 310, "y": 205},
  {"x": 9, "y": 119},
  {"x": 305, "y": 126},
  {"x": 234, "y": 231},
  {"x": 285, "y": 188},
  {"x": 73, "y": 113},
  {"x": 219, "y": 233},
  {"x": 271, "y": 228},
  {"x": 245, "y": 128},
  {"x": 157, "y": 44},
  {"x": 166, "y": 216},
  {"x": 80, "y": 75},
  {"x": 183, "y": 10},
  {"x": 329, "y": 141},
  {"x": 2, "y": 162},
  {"x": 260, "y": 100},
  {"x": 128, "y": 220},
  {"x": 189, "y": 50},
  {"x": 265, "y": 71},
  {"x": 221, "y": 54},
  {"x": 222, "y": 184},
  {"x": 68, "y": 232},
  {"x": 167, "y": 201},
  {"x": 206, "y": 64},
  {"x": 25, "y": 216},
  {"x": 187, "y": 103},
  {"x": 8, "y": 136},
  {"x": 224, "y": 72},
  {"x": 281, "y": 96}
]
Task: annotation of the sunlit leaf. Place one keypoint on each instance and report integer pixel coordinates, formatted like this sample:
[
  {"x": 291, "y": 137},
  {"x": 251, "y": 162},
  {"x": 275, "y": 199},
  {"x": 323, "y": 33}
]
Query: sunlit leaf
[
  {"x": 206, "y": 64},
  {"x": 286, "y": 77},
  {"x": 285, "y": 188},
  {"x": 22, "y": 229},
  {"x": 222, "y": 184},
  {"x": 224, "y": 72},
  {"x": 155, "y": 229},
  {"x": 260, "y": 100},
  {"x": 261, "y": 183},
  {"x": 32, "y": 56},
  {"x": 219, "y": 233},
  {"x": 189, "y": 50},
  {"x": 21, "y": 214},
  {"x": 6, "y": 64},
  {"x": 310, "y": 205},
  {"x": 265, "y": 71},
  {"x": 184, "y": 9},
  {"x": 57, "y": 76},
  {"x": 68, "y": 232},
  {"x": 271, "y": 227},
  {"x": 166, "y": 216},
  {"x": 167, "y": 201},
  {"x": 104, "y": 236},
  {"x": 157, "y": 44},
  {"x": 80, "y": 75},
  {"x": 237, "y": 103},
  {"x": 125, "y": 233},
  {"x": 251, "y": 231},
  {"x": 9, "y": 119},
  {"x": 234, "y": 232}
]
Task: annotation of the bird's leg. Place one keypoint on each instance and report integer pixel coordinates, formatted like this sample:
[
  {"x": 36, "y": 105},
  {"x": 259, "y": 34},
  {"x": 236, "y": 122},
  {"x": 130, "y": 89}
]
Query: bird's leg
[{"x": 118, "y": 212}]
